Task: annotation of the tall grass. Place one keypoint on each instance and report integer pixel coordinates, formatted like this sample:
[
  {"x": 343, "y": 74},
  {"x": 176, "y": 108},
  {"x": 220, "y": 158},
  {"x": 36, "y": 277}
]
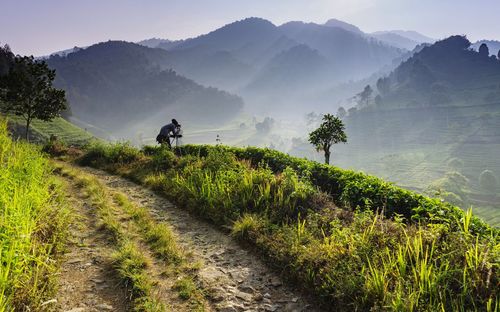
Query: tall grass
[
  {"x": 33, "y": 225},
  {"x": 351, "y": 258}
]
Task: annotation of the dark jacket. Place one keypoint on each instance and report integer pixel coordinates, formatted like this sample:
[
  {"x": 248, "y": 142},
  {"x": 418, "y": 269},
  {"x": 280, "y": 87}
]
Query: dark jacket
[{"x": 167, "y": 129}]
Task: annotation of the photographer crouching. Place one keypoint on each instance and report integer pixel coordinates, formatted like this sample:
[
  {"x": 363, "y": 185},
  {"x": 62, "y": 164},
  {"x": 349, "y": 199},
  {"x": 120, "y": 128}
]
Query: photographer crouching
[{"x": 172, "y": 130}]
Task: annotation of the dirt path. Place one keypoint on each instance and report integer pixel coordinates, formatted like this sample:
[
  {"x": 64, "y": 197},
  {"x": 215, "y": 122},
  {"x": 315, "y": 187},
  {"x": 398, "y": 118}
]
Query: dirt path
[
  {"x": 235, "y": 279},
  {"x": 87, "y": 281}
]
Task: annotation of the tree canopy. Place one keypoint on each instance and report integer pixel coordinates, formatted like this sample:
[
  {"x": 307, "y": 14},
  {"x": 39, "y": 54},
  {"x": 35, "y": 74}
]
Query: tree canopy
[
  {"x": 28, "y": 91},
  {"x": 330, "y": 132},
  {"x": 483, "y": 50}
]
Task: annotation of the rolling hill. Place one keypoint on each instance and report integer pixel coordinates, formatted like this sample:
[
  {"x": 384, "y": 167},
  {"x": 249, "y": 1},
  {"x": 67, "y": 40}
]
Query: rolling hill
[
  {"x": 115, "y": 85},
  {"x": 434, "y": 127}
]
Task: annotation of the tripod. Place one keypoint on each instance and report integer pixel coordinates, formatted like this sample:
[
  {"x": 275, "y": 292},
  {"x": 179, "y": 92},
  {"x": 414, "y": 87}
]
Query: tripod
[{"x": 175, "y": 137}]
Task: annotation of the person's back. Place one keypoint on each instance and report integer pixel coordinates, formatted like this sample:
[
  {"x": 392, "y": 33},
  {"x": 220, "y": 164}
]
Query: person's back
[{"x": 167, "y": 131}]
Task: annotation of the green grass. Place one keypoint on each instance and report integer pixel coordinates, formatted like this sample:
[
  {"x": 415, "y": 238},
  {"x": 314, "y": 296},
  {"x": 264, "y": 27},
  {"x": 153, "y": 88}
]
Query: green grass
[
  {"x": 129, "y": 227},
  {"x": 432, "y": 258},
  {"x": 128, "y": 258},
  {"x": 33, "y": 225},
  {"x": 41, "y": 131}
]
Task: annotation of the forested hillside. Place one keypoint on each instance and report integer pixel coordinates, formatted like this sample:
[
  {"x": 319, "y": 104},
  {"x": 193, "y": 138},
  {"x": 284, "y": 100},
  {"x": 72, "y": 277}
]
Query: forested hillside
[
  {"x": 118, "y": 84},
  {"x": 433, "y": 124}
]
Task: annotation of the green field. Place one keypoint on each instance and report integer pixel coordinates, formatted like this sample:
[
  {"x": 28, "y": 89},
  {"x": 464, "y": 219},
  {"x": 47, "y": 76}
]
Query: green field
[{"x": 41, "y": 131}]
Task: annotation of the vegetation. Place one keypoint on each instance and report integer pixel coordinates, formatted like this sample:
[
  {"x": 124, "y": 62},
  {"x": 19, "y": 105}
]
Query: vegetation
[
  {"x": 129, "y": 227},
  {"x": 34, "y": 219},
  {"x": 105, "y": 83},
  {"x": 64, "y": 132},
  {"x": 28, "y": 91},
  {"x": 384, "y": 248},
  {"x": 330, "y": 132}
]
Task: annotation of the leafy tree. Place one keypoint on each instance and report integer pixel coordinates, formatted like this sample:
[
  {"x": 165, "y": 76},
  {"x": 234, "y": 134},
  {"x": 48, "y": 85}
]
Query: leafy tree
[
  {"x": 383, "y": 85},
  {"x": 341, "y": 112},
  {"x": 365, "y": 96},
  {"x": 378, "y": 100},
  {"x": 29, "y": 92},
  {"x": 483, "y": 50},
  {"x": 330, "y": 132},
  {"x": 488, "y": 181}
]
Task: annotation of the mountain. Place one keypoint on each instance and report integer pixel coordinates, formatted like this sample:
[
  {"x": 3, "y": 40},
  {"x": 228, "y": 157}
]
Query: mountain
[
  {"x": 412, "y": 35},
  {"x": 395, "y": 40},
  {"x": 433, "y": 125},
  {"x": 114, "y": 85},
  {"x": 446, "y": 73},
  {"x": 346, "y": 26},
  {"x": 352, "y": 56},
  {"x": 154, "y": 42}
]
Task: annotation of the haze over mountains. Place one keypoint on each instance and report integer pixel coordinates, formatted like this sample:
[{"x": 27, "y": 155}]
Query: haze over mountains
[
  {"x": 269, "y": 66},
  {"x": 432, "y": 124},
  {"x": 252, "y": 83}
]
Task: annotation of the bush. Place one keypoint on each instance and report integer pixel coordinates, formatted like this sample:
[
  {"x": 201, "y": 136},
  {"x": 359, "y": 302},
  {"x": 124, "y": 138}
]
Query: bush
[
  {"x": 163, "y": 159},
  {"x": 488, "y": 181},
  {"x": 349, "y": 188},
  {"x": 55, "y": 147},
  {"x": 120, "y": 153}
]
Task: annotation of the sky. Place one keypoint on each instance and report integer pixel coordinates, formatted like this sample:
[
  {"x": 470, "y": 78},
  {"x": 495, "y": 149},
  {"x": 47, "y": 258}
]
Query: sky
[{"x": 40, "y": 27}]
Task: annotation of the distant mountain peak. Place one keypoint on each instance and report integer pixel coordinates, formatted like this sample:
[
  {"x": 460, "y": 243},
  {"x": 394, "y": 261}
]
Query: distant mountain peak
[
  {"x": 410, "y": 34},
  {"x": 153, "y": 42},
  {"x": 341, "y": 24}
]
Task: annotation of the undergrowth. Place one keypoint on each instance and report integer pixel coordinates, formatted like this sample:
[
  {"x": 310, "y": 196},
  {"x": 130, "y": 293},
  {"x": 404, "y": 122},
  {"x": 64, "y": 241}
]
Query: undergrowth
[{"x": 365, "y": 255}]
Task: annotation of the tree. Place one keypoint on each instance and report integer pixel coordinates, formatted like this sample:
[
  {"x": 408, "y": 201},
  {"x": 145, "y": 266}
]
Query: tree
[
  {"x": 364, "y": 97},
  {"x": 29, "y": 92},
  {"x": 330, "y": 132},
  {"x": 483, "y": 50},
  {"x": 341, "y": 112},
  {"x": 383, "y": 85},
  {"x": 488, "y": 181}
]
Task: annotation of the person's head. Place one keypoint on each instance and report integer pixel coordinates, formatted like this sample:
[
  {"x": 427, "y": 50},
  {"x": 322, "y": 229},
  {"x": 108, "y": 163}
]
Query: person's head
[{"x": 175, "y": 122}]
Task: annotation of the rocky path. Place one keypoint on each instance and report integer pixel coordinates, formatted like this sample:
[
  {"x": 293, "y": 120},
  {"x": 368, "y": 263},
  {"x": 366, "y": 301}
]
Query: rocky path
[
  {"x": 235, "y": 279},
  {"x": 87, "y": 282}
]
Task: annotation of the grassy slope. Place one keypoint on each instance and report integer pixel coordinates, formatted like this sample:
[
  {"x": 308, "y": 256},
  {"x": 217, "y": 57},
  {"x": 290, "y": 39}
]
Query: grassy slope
[
  {"x": 392, "y": 146},
  {"x": 41, "y": 131},
  {"x": 359, "y": 260},
  {"x": 33, "y": 220}
]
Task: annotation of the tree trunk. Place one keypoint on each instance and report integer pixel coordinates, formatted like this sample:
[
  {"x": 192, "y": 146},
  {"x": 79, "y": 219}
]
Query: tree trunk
[
  {"x": 327, "y": 157},
  {"x": 28, "y": 121}
]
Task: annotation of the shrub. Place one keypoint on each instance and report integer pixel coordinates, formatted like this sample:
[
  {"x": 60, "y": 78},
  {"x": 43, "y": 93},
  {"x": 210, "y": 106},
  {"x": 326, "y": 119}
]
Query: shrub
[
  {"x": 353, "y": 189},
  {"x": 163, "y": 159},
  {"x": 488, "y": 181}
]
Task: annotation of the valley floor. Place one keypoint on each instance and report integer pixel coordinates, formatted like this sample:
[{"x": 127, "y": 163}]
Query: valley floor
[{"x": 229, "y": 277}]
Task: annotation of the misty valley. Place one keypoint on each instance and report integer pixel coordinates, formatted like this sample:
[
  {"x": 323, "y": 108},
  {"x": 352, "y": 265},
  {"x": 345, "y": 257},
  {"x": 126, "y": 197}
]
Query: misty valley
[
  {"x": 404, "y": 215},
  {"x": 428, "y": 124}
]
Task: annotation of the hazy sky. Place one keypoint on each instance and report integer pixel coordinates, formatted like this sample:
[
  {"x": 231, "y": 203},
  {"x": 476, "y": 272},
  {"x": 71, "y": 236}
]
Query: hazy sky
[{"x": 40, "y": 27}]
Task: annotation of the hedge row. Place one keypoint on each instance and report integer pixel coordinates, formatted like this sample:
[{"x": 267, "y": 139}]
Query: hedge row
[{"x": 354, "y": 189}]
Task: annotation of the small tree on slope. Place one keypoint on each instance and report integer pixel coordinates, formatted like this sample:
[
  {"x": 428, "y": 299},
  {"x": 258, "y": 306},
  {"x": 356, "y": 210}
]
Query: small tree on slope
[
  {"x": 330, "y": 132},
  {"x": 29, "y": 91}
]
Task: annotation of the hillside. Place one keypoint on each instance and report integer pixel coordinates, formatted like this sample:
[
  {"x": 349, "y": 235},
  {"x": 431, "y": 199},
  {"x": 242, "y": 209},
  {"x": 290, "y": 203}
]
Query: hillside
[
  {"x": 332, "y": 232},
  {"x": 41, "y": 131},
  {"x": 241, "y": 57},
  {"x": 117, "y": 84},
  {"x": 437, "y": 114}
]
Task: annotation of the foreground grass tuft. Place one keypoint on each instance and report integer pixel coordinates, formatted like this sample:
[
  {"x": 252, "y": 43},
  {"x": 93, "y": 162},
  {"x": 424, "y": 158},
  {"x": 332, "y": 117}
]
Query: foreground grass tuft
[{"x": 34, "y": 223}]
